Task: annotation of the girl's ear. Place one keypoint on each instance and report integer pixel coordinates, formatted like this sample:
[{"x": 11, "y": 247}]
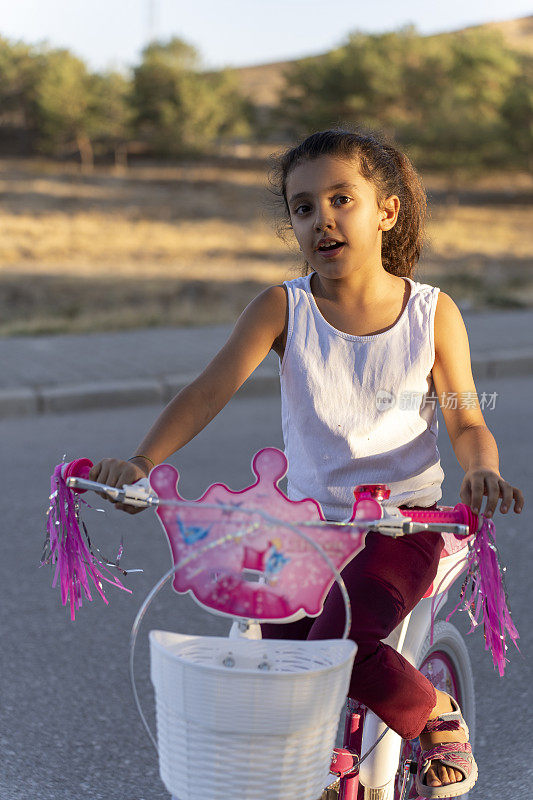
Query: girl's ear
[{"x": 390, "y": 208}]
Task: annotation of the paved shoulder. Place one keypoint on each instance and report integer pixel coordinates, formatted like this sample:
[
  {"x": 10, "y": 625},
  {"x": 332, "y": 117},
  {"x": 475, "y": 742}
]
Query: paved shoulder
[{"x": 68, "y": 372}]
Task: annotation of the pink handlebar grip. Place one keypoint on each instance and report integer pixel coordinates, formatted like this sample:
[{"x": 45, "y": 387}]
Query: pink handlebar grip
[
  {"x": 461, "y": 514},
  {"x": 79, "y": 468}
]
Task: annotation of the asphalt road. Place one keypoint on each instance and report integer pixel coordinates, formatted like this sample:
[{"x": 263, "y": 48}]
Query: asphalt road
[{"x": 68, "y": 727}]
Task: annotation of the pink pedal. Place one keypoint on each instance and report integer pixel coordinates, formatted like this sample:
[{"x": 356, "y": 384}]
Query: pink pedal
[{"x": 342, "y": 762}]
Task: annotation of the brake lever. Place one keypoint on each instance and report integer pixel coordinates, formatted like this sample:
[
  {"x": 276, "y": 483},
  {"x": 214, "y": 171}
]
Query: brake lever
[{"x": 137, "y": 494}]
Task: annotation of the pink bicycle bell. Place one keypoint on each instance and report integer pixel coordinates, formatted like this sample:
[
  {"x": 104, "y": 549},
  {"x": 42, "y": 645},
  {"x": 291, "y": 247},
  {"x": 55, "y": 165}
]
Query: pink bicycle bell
[
  {"x": 79, "y": 468},
  {"x": 368, "y": 497}
]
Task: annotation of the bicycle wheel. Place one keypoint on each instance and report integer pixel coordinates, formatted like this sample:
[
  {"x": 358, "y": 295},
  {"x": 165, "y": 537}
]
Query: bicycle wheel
[{"x": 446, "y": 664}]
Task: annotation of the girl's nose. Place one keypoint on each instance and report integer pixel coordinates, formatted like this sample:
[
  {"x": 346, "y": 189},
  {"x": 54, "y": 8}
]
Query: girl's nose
[{"x": 324, "y": 219}]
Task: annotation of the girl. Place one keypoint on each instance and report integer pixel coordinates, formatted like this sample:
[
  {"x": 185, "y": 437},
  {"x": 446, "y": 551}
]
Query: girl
[{"x": 364, "y": 352}]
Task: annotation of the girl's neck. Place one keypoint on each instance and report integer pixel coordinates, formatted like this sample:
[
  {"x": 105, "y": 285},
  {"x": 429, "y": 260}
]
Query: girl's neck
[{"x": 356, "y": 289}]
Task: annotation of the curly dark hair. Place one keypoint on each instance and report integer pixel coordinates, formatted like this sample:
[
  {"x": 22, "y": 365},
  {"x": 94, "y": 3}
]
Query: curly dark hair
[{"x": 387, "y": 168}]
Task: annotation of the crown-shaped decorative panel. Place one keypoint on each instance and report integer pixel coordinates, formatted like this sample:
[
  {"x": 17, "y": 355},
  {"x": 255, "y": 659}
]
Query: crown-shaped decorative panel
[{"x": 294, "y": 577}]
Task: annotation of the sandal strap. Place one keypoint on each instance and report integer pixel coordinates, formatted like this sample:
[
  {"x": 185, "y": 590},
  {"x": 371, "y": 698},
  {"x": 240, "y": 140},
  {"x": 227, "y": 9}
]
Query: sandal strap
[
  {"x": 457, "y": 755},
  {"x": 439, "y": 724},
  {"x": 444, "y": 749},
  {"x": 452, "y": 721}
]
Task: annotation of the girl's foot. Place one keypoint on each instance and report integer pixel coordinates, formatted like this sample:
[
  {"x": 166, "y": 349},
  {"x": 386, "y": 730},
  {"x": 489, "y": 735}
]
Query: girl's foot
[
  {"x": 439, "y": 774},
  {"x": 446, "y": 766}
]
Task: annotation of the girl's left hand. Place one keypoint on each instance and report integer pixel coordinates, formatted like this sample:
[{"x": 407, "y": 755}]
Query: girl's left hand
[{"x": 480, "y": 482}]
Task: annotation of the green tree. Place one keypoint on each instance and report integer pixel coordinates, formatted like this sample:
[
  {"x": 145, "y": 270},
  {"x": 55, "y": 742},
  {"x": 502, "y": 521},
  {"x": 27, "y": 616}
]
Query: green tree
[
  {"x": 360, "y": 83},
  {"x": 455, "y": 94},
  {"x": 453, "y": 100},
  {"x": 110, "y": 116},
  {"x": 62, "y": 104},
  {"x": 19, "y": 73},
  {"x": 178, "y": 107},
  {"x": 517, "y": 116}
]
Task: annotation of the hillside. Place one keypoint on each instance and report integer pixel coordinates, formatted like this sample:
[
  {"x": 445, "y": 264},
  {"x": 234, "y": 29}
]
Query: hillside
[
  {"x": 263, "y": 83},
  {"x": 518, "y": 33}
]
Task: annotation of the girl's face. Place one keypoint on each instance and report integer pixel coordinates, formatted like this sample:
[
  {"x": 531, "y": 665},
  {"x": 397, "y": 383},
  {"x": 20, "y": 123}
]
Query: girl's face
[{"x": 335, "y": 215}]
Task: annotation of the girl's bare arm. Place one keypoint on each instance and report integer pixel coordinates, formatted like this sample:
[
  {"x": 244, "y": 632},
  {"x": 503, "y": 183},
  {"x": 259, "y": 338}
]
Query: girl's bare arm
[
  {"x": 473, "y": 443},
  {"x": 258, "y": 327}
]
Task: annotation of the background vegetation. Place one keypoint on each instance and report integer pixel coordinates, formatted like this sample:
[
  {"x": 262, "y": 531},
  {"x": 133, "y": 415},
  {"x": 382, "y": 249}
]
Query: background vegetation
[
  {"x": 457, "y": 100},
  {"x": 142, "y": 199}
]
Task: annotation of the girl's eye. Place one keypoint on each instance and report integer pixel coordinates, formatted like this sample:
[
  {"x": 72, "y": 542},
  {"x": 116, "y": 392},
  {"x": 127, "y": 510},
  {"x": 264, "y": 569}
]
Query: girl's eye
[
  {"x": 342, "y": 199},
  {"x": 303, "y": 209}
]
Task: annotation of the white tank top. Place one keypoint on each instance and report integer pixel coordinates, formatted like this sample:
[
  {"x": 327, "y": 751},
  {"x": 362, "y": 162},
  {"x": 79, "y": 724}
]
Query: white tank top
[{"x": 355, "y": 409}]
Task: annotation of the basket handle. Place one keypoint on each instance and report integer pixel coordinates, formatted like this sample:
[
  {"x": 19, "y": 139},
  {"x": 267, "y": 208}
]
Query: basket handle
[{"x": 152, "y": 594}]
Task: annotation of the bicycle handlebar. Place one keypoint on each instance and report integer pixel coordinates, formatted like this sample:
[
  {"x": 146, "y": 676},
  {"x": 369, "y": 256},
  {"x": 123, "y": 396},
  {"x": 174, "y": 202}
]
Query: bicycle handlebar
[{"x": 446, "y": 520}]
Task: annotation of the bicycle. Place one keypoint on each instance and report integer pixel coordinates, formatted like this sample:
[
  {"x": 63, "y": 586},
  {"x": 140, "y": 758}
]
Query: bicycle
[{"x": 373, "y": 763}]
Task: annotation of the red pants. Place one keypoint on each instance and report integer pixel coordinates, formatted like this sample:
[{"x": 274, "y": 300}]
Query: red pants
[{"x": 385, "y": 581}]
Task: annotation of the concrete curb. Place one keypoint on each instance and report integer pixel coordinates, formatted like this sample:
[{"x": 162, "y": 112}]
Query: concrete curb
[
  {"x": 503, "y": 364},
  {"x": 29, "y": 401},
  {"x": 19, "y": 402}
]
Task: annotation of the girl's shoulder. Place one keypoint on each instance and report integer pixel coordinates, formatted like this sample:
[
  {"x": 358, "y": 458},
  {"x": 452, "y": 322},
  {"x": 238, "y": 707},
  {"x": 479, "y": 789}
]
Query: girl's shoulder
[
  {"x": 448, "y": 318},
  {"x": 259, "y": 326},
  {"x": 271, "y": 302},
  {"x": 450, "y": 334}
]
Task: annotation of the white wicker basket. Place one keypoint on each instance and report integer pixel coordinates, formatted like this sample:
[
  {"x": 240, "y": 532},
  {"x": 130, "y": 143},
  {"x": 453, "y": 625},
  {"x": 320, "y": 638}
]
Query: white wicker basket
[{"x": 239, "y": 719}]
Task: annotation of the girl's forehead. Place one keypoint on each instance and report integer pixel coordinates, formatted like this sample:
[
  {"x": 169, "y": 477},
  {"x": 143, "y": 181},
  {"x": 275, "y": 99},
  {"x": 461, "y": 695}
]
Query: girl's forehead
[{"x": 324, "y": 172}]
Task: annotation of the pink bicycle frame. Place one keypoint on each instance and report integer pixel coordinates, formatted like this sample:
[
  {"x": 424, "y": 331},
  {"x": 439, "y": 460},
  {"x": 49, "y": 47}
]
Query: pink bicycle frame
[{"x": 345, "y": 759}]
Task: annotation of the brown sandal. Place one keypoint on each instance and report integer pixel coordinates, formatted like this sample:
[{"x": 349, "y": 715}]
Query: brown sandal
[{"x": 457, "y": 755}]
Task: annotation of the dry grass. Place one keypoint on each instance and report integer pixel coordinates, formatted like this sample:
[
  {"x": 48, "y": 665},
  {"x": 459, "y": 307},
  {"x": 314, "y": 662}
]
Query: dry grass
[
  {"x": 493, "y": 232},
  {"x": 193, "y": 244}
]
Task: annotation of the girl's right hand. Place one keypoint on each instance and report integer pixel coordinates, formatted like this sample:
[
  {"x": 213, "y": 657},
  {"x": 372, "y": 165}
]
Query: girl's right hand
[{"x": 115, "y": 472}]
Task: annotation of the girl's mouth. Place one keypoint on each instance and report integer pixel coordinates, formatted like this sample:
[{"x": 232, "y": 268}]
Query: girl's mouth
[{"x": 330, "y": 250}]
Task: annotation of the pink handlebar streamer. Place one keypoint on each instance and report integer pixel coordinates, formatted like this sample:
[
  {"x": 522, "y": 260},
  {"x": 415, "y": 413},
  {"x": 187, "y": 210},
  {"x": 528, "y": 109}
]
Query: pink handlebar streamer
[
  {"x": 486, "y": 599},
  {"x": 66, "y": 547}
]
